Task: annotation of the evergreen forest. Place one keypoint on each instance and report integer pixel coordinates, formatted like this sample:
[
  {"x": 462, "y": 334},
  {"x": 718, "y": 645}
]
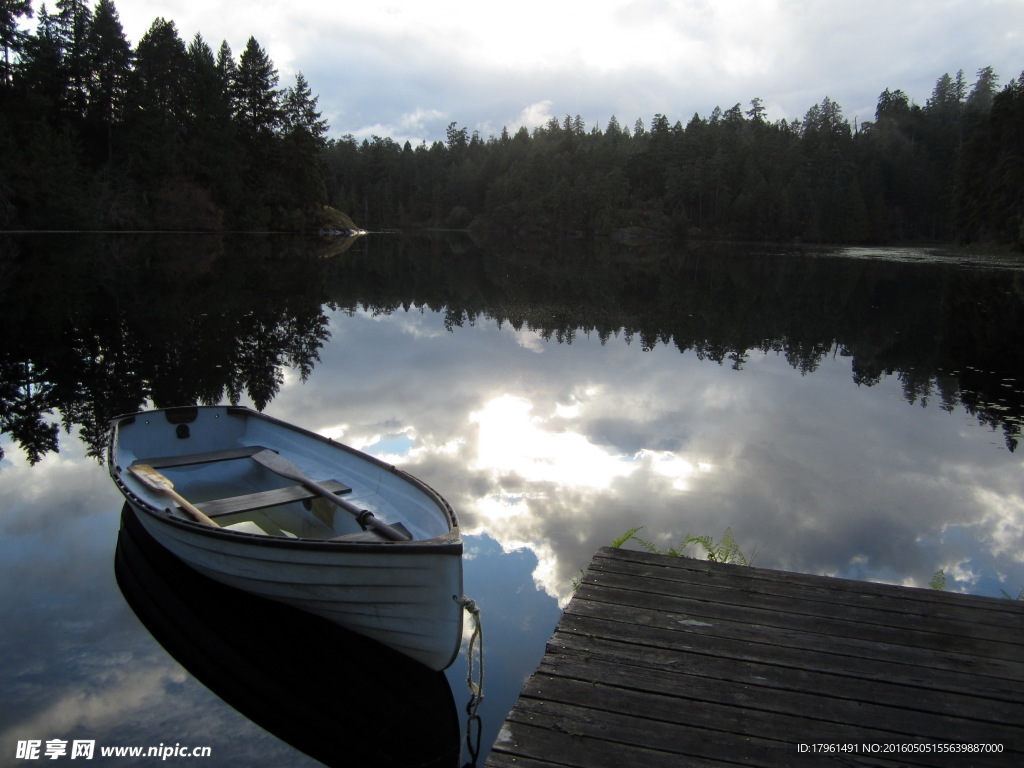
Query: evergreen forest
[
  {"x": 952, "y": 170},
  {"x": 96, "y": 134}
]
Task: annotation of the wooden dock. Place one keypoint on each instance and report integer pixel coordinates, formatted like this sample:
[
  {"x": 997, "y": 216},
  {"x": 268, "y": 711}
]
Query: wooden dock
[{"x": 667, "y": 661}]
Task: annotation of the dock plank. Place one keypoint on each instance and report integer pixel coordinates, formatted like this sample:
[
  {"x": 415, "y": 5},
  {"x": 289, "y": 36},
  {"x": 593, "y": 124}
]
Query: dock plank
[
  {"x": 734, "y": 626},
  {"x": 702, "y": 697},
  {"x": 732, "y": 585},
  {"x": 708, "y": 650},
  {"x": 671, "y": 661}
]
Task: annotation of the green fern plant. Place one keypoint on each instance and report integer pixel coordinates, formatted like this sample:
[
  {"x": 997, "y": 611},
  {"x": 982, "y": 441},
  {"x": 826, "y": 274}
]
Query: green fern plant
[
  {"x": 939, "y": 582},
  {"x": 631, "y": 533},
  {"x": 725, "y": 551}
]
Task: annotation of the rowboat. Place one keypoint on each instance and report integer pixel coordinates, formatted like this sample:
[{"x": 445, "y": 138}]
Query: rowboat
[{"x": 284, "y": 513}]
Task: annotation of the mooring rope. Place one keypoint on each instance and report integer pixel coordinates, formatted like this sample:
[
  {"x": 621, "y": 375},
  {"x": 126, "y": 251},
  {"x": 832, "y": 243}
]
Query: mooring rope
[{"x": 476, "y": 688}]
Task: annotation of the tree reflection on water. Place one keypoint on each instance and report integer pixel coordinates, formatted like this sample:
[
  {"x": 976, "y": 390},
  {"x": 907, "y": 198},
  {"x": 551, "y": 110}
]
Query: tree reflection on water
[{"x": 95, "y": 325}]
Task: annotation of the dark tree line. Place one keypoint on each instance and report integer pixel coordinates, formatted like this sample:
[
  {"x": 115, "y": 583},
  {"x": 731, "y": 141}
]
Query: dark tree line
[
  {"x": 165, "y": 135},
  {"x": 951, "y": 169}
]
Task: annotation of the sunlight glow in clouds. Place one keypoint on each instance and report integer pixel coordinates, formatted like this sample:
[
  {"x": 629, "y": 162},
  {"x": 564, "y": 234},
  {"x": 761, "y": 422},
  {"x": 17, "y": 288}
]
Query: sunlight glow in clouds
[
  {"x": 511, "y": 440},
  {"x": 532, "y": 459}
]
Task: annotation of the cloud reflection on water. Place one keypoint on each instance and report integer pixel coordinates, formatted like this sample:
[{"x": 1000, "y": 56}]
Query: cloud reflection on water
[
  {"x": 562, "y": 448},
  {"x": 547, "y": 451},
  {"x": 77, "y": 664}
]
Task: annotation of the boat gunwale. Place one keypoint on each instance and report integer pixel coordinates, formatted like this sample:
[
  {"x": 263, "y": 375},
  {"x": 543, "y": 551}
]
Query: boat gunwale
[{"x": 449, "y": 543}]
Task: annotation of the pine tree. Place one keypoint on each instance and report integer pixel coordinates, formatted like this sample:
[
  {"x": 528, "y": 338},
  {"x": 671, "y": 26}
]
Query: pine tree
[
  {"x": 211, "y": 146},
  {"x": 157, "y": 105},
  {"x": 756, "y": 111},
  {"x": 984, "y": 90},
  {"x": 74, "y": 20},
  {"x": 456, "y": 138},
  {"x": 227, "y": 69},
  {"x": 110, "y": 57},
  {"x": 944, "y": 95},
  {"x": 39, "y": 74},
  {"x": 892, "y": 105},
  {"x": 303, "y": 132},
  {"x": 300, "y": 115},
  {"x": 209, "y": 95},
  {"x": 158, "y": 80},
  {"x": 11, "y": 38},
  {"x": 256, "y": 99},
  {"x": 989, "y": 202}
]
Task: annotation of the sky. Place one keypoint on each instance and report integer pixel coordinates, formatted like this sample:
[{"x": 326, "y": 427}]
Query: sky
[{"x": 405, "y": 69}]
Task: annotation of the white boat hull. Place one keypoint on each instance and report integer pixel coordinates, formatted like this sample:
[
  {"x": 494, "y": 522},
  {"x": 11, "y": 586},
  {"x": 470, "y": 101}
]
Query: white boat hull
[{"x": 404, "y": 594}]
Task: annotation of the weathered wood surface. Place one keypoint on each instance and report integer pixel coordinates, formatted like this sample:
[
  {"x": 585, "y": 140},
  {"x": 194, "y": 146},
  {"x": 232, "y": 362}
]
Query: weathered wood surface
[
  {"x": 666, "y": 661},
  {"x": 207, "y": 457},
  {"x": 252, "y": 501}
]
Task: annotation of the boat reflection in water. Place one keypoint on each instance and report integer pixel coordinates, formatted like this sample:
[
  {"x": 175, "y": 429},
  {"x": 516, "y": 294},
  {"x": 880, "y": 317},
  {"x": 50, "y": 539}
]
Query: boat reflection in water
[{"x": 376, "y": 707}]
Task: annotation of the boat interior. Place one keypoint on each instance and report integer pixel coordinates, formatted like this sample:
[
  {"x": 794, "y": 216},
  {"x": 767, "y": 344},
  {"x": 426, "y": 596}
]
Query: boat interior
[
  {"x": 243, "y": 496},
  {"x": 248, "y": 473}
]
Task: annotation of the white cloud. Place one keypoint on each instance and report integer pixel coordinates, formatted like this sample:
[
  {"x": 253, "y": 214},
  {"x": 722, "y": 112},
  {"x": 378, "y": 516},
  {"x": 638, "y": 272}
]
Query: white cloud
[
  {"x": 1004, "y": 521},
  {"x": 407, "y": 68},
  {"x": 413, "y": 127},
  {"x": 124, "y": 693},
  {"x": 534, "y": 115},
  {"x": 514, "y": 442}
]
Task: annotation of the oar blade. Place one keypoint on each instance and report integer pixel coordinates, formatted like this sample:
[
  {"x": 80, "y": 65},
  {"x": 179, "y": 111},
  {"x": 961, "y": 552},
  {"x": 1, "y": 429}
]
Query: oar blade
[
  {"x": 279, "y": 465},
  {"x": 159, "y": 482},
  {"x": 151, "y": 477}
]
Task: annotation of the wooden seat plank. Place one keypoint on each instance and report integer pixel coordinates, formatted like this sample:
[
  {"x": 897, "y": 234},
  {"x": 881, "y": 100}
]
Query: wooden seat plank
[
  {"x": 206, "y": 457},
  {"x": 251, "y": 501}
]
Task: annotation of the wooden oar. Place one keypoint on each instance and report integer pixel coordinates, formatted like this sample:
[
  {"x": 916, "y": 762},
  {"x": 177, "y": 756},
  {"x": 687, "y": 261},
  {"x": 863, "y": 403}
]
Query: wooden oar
[
  {"x": 281, "y": 466},
  {"x": 159, "y": 482}
]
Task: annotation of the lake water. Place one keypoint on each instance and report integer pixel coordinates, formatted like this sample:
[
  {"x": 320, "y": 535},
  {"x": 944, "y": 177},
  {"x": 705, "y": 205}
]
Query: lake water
[{"x": 849, "y": 412}]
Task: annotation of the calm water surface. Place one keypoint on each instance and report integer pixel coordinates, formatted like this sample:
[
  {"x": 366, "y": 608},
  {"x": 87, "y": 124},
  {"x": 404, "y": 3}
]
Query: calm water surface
[{"x": 845, "y": 412}]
